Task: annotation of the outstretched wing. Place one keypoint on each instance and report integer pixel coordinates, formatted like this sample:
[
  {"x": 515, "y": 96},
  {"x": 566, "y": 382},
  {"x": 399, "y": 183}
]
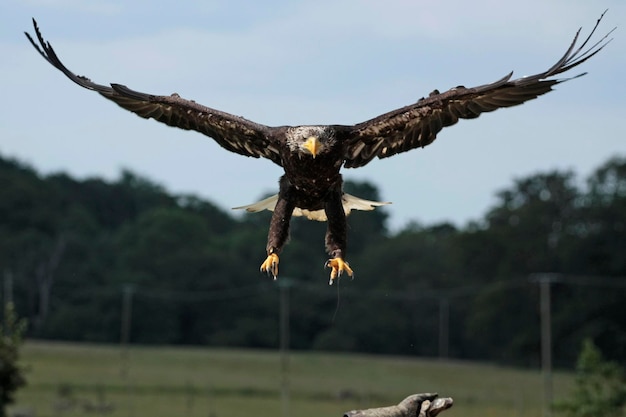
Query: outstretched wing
[
  {"x": 417, "y": 125},
  {"x": 233, "y": 133}
]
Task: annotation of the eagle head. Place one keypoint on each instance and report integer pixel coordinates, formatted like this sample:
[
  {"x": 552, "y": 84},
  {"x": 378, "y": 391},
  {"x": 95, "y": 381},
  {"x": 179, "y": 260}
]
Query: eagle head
[{"x": 310, "y": 140}]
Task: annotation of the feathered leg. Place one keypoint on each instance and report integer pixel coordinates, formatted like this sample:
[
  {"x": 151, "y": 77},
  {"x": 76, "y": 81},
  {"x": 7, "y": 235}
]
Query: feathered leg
[
  {"x": 336, "y": 236},
  {"x": 279, "y": 231}
]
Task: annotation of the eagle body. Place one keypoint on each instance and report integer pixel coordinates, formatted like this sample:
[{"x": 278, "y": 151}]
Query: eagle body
[
  {"x": 312, "y": 182},
  {"x": 312, "y": 176},
  {"x": 313, "y": 156}
]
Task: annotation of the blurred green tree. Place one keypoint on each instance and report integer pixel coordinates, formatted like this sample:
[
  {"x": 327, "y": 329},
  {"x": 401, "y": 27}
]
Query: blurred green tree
[
  {"x": 600, "y": 389},
  {"x": 11, "y": 373}
]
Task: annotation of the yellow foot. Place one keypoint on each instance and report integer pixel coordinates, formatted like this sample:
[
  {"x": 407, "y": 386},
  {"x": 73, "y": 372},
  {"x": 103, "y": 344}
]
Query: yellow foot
[
  {"x": 338, "y": 266},
  {"x": 270, "y": 265}
]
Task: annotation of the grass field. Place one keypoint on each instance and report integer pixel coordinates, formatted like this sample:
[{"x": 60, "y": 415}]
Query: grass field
[{"x": 88, "y": 380}]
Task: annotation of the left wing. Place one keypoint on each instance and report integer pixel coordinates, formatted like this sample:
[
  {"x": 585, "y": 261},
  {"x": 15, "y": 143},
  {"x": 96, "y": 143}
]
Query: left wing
[
  {"x": 417, "y": 125},
  {"x": 233, "y": 133}
]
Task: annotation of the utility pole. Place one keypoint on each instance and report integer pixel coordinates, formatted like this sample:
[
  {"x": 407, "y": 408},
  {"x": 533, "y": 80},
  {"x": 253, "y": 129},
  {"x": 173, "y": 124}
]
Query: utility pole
[
  {"x": 283, "y": 285},
  {"x": 8, "y": 287},
  {"x": 127, "y": 310},
  {"x": 545, "y": 281},
  {"x": 444, "y": 324},
  {"x": 7, "y": 294}
]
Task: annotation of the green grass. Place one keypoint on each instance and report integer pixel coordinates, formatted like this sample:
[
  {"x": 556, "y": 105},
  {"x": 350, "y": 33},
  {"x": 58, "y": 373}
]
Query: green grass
[{"x": 190, "y": 382}]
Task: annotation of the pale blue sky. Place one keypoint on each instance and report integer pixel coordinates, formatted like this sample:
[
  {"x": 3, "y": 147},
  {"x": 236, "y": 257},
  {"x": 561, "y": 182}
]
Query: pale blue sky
[{"x": 310, "y": 62}]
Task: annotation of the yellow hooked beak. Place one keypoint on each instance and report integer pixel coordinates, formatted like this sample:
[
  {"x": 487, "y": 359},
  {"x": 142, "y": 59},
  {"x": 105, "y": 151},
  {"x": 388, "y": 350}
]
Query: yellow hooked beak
[{"x": 312, "y": 145}]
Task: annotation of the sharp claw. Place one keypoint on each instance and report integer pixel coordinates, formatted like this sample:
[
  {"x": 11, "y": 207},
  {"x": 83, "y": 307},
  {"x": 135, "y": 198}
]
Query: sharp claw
[
  {"x": 338, "y": 266},
  {"x": 270, "y": 265}
]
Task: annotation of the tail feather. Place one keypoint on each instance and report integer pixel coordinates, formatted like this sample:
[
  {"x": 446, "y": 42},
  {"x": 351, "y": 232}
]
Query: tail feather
[
  {"x": 265, "y": 204},
  {"x": 350, "y": 203}
]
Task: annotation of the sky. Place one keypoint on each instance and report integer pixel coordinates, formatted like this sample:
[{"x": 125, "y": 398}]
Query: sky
[{"x": 281, "y": 62}]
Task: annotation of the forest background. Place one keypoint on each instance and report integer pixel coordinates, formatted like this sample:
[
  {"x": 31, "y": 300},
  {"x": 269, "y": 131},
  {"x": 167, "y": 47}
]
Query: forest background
[{"x": 77, "y": 254}]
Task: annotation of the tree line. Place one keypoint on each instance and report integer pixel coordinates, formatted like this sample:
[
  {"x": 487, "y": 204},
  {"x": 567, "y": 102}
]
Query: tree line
[{"x": 72, "y": 250}]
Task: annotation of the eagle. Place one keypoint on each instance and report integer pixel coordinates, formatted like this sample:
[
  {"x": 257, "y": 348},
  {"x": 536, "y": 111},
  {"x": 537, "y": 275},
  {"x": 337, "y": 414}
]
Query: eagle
[{"x": 312, "y": 156}]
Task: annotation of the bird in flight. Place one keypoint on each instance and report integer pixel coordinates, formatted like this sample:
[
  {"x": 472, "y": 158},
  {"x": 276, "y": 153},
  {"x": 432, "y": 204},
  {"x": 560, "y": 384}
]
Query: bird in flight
[{"x": 312, "y": 155}]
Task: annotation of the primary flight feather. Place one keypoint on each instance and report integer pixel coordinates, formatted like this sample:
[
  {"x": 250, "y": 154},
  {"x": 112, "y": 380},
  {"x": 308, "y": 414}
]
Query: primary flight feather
[{"x": 312, "y": 156}]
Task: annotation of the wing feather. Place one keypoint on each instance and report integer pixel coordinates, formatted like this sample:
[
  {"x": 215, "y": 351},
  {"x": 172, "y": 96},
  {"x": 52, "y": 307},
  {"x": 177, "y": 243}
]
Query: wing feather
[
  {"x": 417, "y": 125},
  {"x": 233, "y": 133}
]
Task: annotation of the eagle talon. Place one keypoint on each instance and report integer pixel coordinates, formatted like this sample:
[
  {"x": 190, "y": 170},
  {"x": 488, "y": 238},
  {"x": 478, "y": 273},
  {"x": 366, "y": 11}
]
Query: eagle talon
[
  {"x": 338, "y": 266},
  {"x": 270, "y": 265}
]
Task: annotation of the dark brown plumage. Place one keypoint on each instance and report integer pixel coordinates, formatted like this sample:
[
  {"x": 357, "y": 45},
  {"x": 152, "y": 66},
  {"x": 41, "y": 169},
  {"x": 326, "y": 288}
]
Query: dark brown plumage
[{"x": 312, "y": 156}]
